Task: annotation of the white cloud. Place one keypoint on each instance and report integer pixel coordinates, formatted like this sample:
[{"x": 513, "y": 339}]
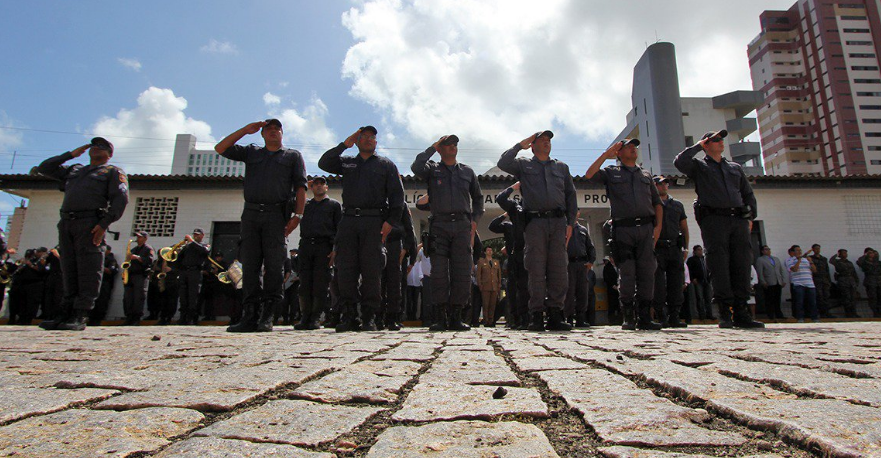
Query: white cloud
[
  {"x": 9, "y": 138},
  {"x": 132, "y": 64},
  {"x": 271, "y": 99},
  {"x": 494, "y": 71},
  {"x": 219, "y": 47},
  {"x": 143, "y": 137},
  {"x": 306, "y": 130}
]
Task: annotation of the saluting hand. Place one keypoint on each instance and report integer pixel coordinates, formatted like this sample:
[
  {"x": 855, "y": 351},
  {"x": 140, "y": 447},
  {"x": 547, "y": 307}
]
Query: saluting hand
[
  {"x": 291, "y": 225},
  {"x": 79, "y": 151},
  {"x": 386, "y": 229},
  {"x": 439, "y": 141},
  {"x": 527, "y": 142},
  {"x": 703, "y": 143},
  {"x": 254, "y": 127},
  {"x": 349, "y": 142},
  {"x": 98, "y": 234},
  {"x": 612, "y": 152},
  {"x": 516, "y": 186}
]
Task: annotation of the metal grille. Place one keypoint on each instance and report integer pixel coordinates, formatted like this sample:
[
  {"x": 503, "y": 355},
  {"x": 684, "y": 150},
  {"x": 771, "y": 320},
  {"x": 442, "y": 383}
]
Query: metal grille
[
  {"x": 156, "y": 215},
  {"x": 863, "y": 214}
]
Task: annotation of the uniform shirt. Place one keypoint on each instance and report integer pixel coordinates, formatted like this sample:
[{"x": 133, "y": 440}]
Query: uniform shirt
[
  {"x": 517, "y": 217},
  {"x": 403, "y": 230},
  {"x": 489, "y": 274},
  {"x": 843, "y": 268},
  {"x": 544, "y": 185},
  {"x": 193, "y": 254},
  {"x": 271, "y": 177},
  {"x": 321, "y": 218},
  {"x": 451, "y": 189},
  {"x": 631, "y": 190},
  {"x": 871, "y": 270},
  {"x": 371, "y": 183},
  {"x": 822, "y": 265},
  {"x": 500, "y": 225},
  {"x": 718, "y": 184},
  {"x": 674, "y": 215},
  {"x": 89, "y": 187},
  {"x": 147, "y": 256},
  {"x": 580, "y": 245}
]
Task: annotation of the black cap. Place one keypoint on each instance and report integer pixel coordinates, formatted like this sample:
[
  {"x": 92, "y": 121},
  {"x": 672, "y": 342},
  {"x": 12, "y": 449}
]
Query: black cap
[
  {"x": 320, "y": 178},
  {"x": 273, "y": 122},
  {"x": 370, "y": 128},
  {"x": 451, "y": 139},
  {"x": 722, "y": 133},
  {"x": 102, "y": 142},
  {"x": 142, "y": 234},
  {"x": 630, "y": 141},
  {"x": 544, "y": 133},
  {"x": 660, "y": 179},
  {"x": 198, "y": 230}
]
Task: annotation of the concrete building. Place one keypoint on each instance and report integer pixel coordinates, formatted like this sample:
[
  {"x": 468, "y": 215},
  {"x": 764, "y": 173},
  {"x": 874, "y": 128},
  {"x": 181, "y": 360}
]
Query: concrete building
[
  {"x": 188, "y": 160},
  {"x": 817, "y": 68},
  {"x": 835, "y": 212},
  {"x": 665, "y": 122}
]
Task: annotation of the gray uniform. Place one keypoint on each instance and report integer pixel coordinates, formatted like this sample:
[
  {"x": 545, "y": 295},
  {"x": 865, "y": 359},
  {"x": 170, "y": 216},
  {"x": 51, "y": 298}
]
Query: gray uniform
[
  {"x": 271, "y": 181},
  {"x": 93, "y": 195},
  {"x": 846, "y": 277},
  {"x": 456, "y": 201},
  {"x": 632, "y": 197},
  {"x": 549, "y": 204},
  {"x": 723, "y": 192},
  {"x": 581, "y": 252},
  {"x": 822, "y": 282},
  {"x": 670, "y": 274},
  {"x": 372, "y": 194}
]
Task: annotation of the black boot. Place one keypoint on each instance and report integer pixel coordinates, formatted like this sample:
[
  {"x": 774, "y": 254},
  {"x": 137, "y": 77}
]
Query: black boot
[
  {"x": 743, "y": 317},
  {"x": 267, "y": 316},
  {"x": 248, "y": 322},
  {"x": 556, "y": 322},
  {"x": 77, "y": 322},
  {"x": 725, "y": 316},
  {"x": 628, "y": 316},
  {"x": 455, "y": 320},
  {"x": 644, "y": 319},
  {"x": 581, "y": 320},
  {"x": 673, "y": 320},
  {"x": 348, "y": 319},
  {"x": 536, "y": 322},
  {"x": 439, "y": 318},
  {"x": 368, "y": 320},
  {"x": 60, "y": 318},
  {"x": 392, "y": 322}
]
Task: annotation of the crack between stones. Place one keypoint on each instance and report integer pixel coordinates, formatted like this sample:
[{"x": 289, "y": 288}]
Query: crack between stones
[{"x": 846, "y": 372}]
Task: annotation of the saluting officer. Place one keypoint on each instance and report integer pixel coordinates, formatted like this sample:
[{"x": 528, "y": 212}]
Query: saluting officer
[
  {"x": 725, "y": 209},
  {"x": 671, "y": 252},
  {"x": 637, "y": 215},
  {"x": 549, "y": 204},
  {"x": 95, "y": 195},
  {"x": 275, "y": 177},
  {"x": 321, "y": 218},
  {"x": 846, "y": 277},
  {"x": 135, "y": 292},
  {"x": 191, "y": 260},
  {"x": 456, "y": 208},
  {"x": 518, "y": 279},
  {"x": 399, "y": 245},
  {"x": 582, "y": 255},
  {"x": 373, "y": 199}
]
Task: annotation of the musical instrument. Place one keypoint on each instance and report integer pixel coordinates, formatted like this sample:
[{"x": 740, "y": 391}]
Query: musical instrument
[
  {"x": 170, "y": 253},
  {"x": 5, "y": 276},
  {"x": 234, "y": 274},
  {"x": 125, "y": 265},
  {"x": 223, "y": 276}
]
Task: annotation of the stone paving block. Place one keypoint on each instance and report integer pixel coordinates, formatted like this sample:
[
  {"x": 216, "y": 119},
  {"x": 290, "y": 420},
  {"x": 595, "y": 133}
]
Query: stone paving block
[
  {"x": 90, "y": 433},
  {"x": 212, "y": 447},
  {"x": 428, "y": 402},
  {"x": 532, "y": 364},
  {"x": 409, "y": 352},
  {"x": 291, "y": 422},
  {"x": 622, "y": 413},
  {"x": 463, "y": 439},
  {"x": 359, "y": 383},
  {"x": 472, "y": 368},
  {"x": 620, "y": 451},
  {"x": 838, "y": 428},
  {"x": 17, "y": 402}
]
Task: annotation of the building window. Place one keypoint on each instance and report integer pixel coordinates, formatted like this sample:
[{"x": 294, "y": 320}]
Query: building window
[
  {"x": 156, "y": 215},
  {"x": 867, "y": 81},
  {"x": 868, "y": 94},
  {"x": 856, "y": 30},
  {"x": 861, "y": 55},
  {"x": 864, "y": 68}
]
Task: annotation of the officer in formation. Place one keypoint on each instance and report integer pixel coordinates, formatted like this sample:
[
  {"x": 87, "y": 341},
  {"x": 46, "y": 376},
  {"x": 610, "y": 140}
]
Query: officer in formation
[
  {"x": 373, "y": 199},
  {"x": 846, "y": 277},
  {"x": 822, "y": 281},
  {"x": 321, "y": 219},
  {"x": 582, "y": 255},
  {"x": 95, "y": 195},
  {"x": 515, "y": 243},
  {"x": 140, "y": 264},
  {"x": 400, "y": 248},
  {"x": 275, "y": 183},
  {"x": 671, "y": 251},
  {"x": 637, "y": 218},
  {"x": 549, "y": 204},
  {"x": 871, "y": 267},
  {"x": 108, "y": 281},
  {"x": 456, "y": 207},
  {"x": 27, "y": 286},
  {"x": 725, "y": 209},
  {"x": 190, "y": 263}
]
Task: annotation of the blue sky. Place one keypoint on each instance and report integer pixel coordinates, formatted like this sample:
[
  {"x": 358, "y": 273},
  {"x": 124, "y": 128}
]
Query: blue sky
[{"x": 491, "y": 71}]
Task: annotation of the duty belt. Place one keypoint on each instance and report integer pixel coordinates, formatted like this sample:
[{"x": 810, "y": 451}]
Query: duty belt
[
  {"x": 316, "y": 240},
  {"x": 450, "y": 217},
  {"x": 634, "y": 222},
  {"x": 578, "y": 259},
  {"x": 365, "y": 211},
  {"x": 264, "y": 207},
  {"x": 99, "y": 213},
  {"x": 733, "y": 211},
  {"x": 558, "y": 213},
  {"x": 665, "y": 243}
]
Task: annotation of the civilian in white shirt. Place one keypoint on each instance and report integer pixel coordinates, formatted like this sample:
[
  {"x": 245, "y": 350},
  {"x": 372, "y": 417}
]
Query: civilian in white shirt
[{"x": 801, "y": 269}]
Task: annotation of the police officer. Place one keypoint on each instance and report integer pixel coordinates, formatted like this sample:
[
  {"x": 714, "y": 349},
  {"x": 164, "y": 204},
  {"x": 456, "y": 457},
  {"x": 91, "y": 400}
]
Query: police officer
[
  {"x": 582, "y": 255},
  {"x": 191, "y": 261},
  {"x": 725, "y": 209},
  {"x": 321, "y": 218},
  {"x": 273, "y": 176},
  {"x": 637, "y": 216},
  {"x": 135, "y": 292},
  {"x": 671, "y": 252},
  {"x": 373, "y": 199},
  {"x": 108, "y": 280},
  {"x": 95, "y": 195},
  {"x": 549, "y": 204},
  {"x": 456, "y": 207},
  {"x": 400, "y": 245},
  {"x": 846, "y": 277},
  {"x": 518, "y": 280},
  {"x": 822, "y": 281},
  {"x": 872, "y": 279}
]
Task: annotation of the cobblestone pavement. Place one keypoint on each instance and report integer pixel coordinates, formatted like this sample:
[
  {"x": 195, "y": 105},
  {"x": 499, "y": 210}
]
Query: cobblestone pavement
[{"x": 785, "y": 391}]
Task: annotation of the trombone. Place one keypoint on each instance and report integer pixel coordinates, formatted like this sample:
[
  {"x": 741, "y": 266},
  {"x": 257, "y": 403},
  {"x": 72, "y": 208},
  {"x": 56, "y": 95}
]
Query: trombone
[
  {"x": 170, "y": 253},
  {"x": 223, "y": 276}
]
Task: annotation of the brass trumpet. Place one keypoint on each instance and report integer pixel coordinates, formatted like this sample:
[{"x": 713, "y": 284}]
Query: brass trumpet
[
  {"x": 170, "y": 253},
  {"x": 222, "y": 275}
]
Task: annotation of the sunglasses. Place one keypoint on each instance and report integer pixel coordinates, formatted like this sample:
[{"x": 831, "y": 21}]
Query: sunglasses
[
  {"x": 101, "y": 147},
  {"x": 717, "y": 139}
]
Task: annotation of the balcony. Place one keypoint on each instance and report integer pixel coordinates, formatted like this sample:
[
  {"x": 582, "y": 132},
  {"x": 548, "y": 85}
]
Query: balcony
[
  {"x": 741, "y": 126},
  {"x": 742, "y": 102},
  {"x": 744, "y": 151}
]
